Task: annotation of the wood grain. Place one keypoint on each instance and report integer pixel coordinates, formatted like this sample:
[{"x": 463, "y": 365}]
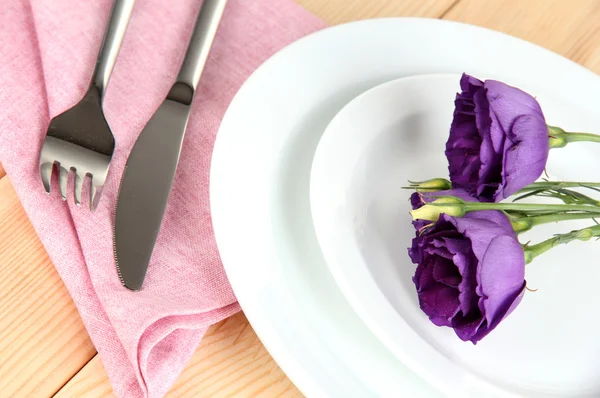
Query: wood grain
[
  {"x": 569, "y": 28},
  {"x": 43, "y": 342},
  {"x": 91, "y": 381},
  {"x": 230, "y": 362},
  {"x": 340, "y": 11}
]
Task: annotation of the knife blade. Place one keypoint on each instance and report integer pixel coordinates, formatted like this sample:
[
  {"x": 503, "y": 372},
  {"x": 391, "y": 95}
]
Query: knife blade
[{"x": 151, "y": 166}]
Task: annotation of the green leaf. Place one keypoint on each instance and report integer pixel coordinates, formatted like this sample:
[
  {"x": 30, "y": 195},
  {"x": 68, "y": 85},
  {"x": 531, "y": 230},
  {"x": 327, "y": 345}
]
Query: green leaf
[
  {"x": 592, "y": 188},
  {"x": 532, "y": 193}
]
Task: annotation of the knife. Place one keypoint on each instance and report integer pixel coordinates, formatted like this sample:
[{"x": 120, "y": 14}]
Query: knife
[{"x": 150, "y": 168}]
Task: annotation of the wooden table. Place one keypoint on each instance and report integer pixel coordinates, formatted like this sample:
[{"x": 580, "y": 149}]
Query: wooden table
[{"x": 44, "y": 348}]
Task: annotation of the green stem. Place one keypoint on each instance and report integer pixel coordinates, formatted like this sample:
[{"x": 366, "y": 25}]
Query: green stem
[
  {"x": 559, "y": 138},
  {"x": 558, "y": 184},
  {"x": 585, "y": 137},
  {"x": 548, "y": 218},
  {"x": 533, "y": 251},
  {"x": 526, "y": 207},
  {"x": 523, "y": 224},
  {"x": 441, "y": 184},
  {"x": 456, "y": 207}
]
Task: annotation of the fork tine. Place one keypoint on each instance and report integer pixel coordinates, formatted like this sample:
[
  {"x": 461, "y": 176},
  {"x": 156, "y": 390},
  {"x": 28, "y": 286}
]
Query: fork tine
[
  {"x": 46, "y": 173},
  {"x": 95, "y": 193},
  {"x": 78, "y": 187},
  {"x": 63, "y": 177}
]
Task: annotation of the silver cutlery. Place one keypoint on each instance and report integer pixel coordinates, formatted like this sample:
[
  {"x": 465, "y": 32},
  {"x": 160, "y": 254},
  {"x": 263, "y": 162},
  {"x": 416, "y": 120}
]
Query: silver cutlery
[
  {"x": 151, "y": 166},
  {"x": 80, "y": 139}
]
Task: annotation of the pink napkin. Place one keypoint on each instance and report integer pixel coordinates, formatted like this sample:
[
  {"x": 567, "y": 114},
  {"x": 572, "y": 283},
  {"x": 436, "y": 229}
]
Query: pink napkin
[{"x": 47, "y": 52}]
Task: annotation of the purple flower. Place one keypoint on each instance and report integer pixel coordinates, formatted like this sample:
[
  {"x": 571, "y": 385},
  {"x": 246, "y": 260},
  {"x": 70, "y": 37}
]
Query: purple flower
[
  {"x": 498, "y": 140},
  {"x": 470, "y": 272}
]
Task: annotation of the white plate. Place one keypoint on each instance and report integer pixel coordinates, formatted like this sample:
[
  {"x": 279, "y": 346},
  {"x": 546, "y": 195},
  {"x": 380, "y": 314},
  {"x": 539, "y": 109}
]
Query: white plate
[
  {"x": 397, "y": 132},
  {"x": 260, "y": 184}
]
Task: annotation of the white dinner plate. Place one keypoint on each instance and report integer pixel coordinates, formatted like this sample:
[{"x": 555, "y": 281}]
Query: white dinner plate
[
  {"x": 260, "y": 184},
  {"x": 395, "y": 133}
]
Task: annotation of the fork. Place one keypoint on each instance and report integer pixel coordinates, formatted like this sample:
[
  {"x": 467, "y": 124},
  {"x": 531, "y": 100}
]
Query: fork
[{"x": 80, "y": 139}]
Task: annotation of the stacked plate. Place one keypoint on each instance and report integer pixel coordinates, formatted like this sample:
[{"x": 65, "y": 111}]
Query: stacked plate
[{"x": 313, "y": 227}]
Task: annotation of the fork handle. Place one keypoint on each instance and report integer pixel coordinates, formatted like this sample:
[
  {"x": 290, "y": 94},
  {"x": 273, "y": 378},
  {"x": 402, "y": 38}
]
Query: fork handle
[
  {"x": 200, "y": 43},
  {"x": 111, "y": 43}
]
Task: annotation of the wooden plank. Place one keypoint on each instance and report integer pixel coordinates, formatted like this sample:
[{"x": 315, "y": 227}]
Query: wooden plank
[
  {"x": 43, "y": 342},
  {"x": 2, "y": 172},
  {"x": 91, "y": 381},
  {"x": 569, "y": 28},
  {"x": 230, "y": 362},
  {"x": 340, "y": 11}
]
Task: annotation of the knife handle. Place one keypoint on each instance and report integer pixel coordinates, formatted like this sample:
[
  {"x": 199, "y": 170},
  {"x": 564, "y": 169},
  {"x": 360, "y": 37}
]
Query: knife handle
[
  {"x": 111, "y": 43},
  {"x": 200, "y": 43}
]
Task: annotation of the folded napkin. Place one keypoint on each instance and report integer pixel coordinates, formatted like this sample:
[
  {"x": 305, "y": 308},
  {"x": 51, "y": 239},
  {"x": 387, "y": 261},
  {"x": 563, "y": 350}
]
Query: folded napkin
[{"x": 47, "y": 52}]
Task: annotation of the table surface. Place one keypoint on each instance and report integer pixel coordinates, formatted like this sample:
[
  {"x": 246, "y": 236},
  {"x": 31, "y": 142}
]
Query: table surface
[{"x": 44, "y": 347}]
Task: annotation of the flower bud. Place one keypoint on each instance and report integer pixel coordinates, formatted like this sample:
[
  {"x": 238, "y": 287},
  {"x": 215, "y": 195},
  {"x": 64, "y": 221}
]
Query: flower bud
[
  {"x": 521, "y": 224},
  {"x": 558, "y": 137},
  {"x": 445, "y": 205},
  {"x": 585, "y": 234},
  {"x": 432, "y": 185}
]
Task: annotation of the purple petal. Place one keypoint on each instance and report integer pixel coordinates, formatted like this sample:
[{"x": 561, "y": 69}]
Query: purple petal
[
  {"x": 417, "y": 277},
  {"x": 420, "y": 224},
  {"x": 481, "y": 227},
  {"x": 464, "y": 141},
  {"x": 497, "y": 134},
  {"x": 491, "y": 158},
  {"x": 469, "y": 83},
  {"x": 467, "y": 266},
  {"x": 497, "y": 217},
  {"x": 456, "y": 245},
  {"x": 426, "y": 280},
  {"x": 440, "y": 303},
  {"x": 490, "y": 162},
  {"x": 501, "y": 277},
  {"x": 438, "y": 249},
  {"x": 485, "y": 329},
  {"x": 525, "y": 159},
  {"x": 416, "y": 200},
  {"x": 507, "y": 102},
  {"x": 467, "y": 326},
  {"x": 446, "y": 272},
  {"x": 415, "y": 251}
]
